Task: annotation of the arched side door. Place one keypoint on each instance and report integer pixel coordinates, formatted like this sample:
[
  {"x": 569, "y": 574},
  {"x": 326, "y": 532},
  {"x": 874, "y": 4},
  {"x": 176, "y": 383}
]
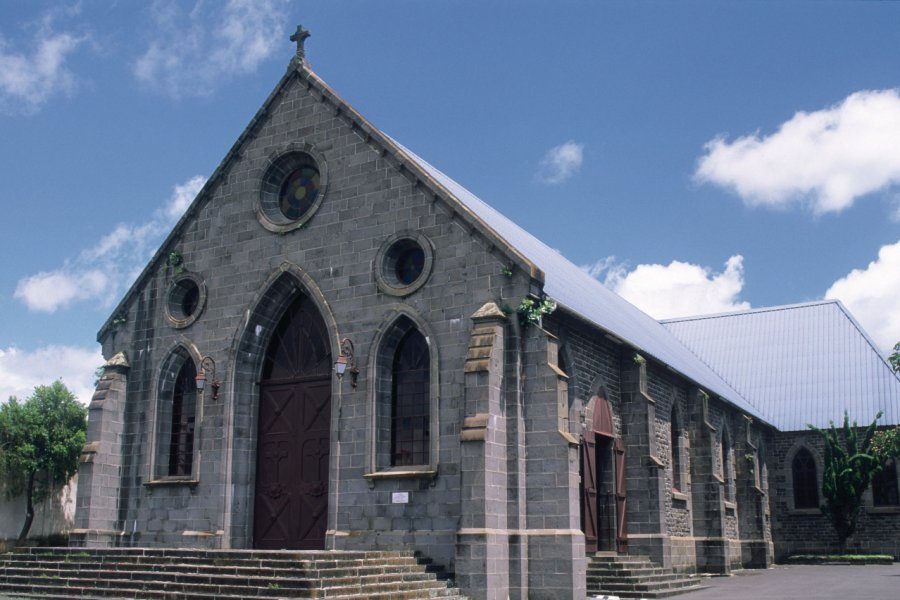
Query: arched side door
[{"x": 603, "y": 503}]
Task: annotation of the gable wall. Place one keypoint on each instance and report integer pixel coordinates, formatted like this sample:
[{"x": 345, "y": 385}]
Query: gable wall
[{"x": 366, "y": 201}]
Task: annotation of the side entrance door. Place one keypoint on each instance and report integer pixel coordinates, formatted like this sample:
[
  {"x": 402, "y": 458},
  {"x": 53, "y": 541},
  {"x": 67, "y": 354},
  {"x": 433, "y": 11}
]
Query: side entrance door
[{"x": 603, "y": 501}]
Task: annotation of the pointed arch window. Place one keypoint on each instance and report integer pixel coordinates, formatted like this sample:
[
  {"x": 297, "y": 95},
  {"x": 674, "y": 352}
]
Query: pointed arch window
[
  {"x": 184, "y": 410},
  {"x": 410, "y": 402},
  {"x": 405, "y": 403},
  {"x": 176, "y": 419},
  {"x": 805, "y": 480},
  {"x": 727, "y": 462},
  {"x": 677, "y": 449}
]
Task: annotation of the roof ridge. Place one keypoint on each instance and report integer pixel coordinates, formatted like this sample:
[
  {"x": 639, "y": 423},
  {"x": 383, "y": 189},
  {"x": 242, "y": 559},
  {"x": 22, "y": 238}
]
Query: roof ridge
[
  {"x": 865, "y": 336},
  {"x": 751, "y": 311}
]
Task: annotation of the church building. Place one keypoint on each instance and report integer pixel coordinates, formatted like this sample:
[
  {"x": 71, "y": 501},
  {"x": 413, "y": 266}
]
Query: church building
[{"x": 340, "y": 347}]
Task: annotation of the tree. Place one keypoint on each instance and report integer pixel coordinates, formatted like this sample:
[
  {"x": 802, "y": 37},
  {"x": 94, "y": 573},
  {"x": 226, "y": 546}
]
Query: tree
[
  {"x": 40, "y": 443},
  {"x": 886, "y": 443},
  {"x": 849, "y": 468}
]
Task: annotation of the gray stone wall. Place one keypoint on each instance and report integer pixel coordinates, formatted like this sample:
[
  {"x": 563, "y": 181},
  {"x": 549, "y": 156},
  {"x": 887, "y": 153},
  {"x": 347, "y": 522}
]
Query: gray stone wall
[
  {"x": 802, "y": 531},
  {"x": 668, "y": 392}
]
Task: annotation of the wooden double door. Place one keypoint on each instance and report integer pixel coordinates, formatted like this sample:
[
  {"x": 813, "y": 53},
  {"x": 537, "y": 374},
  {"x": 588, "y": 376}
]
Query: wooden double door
[
  {"x": 294, "y": 434},
  {"x": 603, "y": 498}
]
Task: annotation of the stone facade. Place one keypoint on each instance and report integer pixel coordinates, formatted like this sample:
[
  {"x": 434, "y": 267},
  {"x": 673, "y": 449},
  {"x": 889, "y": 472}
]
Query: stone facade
[
  {"x": 494, "y": 489},
  {"x": 806, "y": 530}
]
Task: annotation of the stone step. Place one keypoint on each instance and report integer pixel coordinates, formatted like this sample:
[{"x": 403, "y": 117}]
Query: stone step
[
  {"x": 168, "y": 573},
  {"x": 49, "y": 594},
  {"x": 650, "y": 585},
  {"x": 128, "y": 587},
  {"x": 207, "y": 569},
  {"x": 635, "y": 577},
  {"x": 661, "y": 578},
  {"x": 616, "y": 572},
  {"x": 278, "y": 560}
]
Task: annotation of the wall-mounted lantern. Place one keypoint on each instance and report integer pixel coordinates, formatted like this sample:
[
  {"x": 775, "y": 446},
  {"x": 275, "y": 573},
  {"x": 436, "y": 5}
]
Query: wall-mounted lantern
[
  {"x": 208, "y": 365},
  {"x": 346, "y": 357}
]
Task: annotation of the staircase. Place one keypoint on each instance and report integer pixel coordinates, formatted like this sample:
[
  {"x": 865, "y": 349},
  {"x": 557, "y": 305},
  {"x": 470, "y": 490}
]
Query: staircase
[
  {"x": 139, "y": 573},
  {"x": 634, "y": 577}
]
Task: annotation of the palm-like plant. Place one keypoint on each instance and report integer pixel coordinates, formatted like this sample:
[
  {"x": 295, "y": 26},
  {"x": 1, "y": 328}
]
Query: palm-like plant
[{"x": 850, "y": 466}]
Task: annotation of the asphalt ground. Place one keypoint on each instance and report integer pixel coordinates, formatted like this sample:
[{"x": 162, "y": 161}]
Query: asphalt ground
[{"x": 805, "y": 582}]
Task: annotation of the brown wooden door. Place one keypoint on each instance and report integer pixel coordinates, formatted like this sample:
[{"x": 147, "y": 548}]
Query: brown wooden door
[
  {"x": 589, "y": 505},
  {"x": 292, "y": 460},
  {"x": 621, "y": 504}
]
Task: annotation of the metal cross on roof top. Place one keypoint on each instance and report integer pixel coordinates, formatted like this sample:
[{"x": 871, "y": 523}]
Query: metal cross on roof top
[{"x": 300, "y": 36}]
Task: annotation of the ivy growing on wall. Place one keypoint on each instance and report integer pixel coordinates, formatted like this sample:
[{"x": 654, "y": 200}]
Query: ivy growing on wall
[{"x": 531, "y": 311}]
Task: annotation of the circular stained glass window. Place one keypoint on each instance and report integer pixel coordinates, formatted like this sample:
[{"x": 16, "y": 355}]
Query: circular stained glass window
[
  {"x": 299, "y": 192},
  {"x": 409, "y": 263},
  {"x": 404, "y": 263},
  {"x": 292, "y": 189}
]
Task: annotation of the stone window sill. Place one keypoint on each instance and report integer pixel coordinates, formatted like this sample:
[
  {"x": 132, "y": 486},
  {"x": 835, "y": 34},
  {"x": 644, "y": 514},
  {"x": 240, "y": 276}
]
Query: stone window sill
[
  {"x": 172, "y": 482},
  {"x": 680, "y": 496},
  {"x": 730, "y": 506},
  {"x": 652, "y": 461},
  {"x": 806, "y": 511},
  {"x": 423, "y": 472},
  {"x": 883, "y": 510}
]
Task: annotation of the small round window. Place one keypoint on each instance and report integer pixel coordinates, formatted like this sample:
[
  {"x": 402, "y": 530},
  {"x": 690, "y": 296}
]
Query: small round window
[
  {"x": 404, "y": 263},
  {"x": 185, "y": 300},
  {"x": 409, "y": 261},
  {"x": 291, "y": 191}
]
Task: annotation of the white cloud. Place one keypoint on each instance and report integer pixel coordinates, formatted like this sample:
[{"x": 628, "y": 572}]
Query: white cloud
[
  {"x": 825, "y": 159},
  {"x": 102, "y": 272},
  {"x": 21, "y": 372},
  {"x": 29, "y": 80},
  {"x": 675, "y": 290},
  {"x": 196, "y": 50},
  {"x": 561, "y": 162},
  {"x": 48, "y": 291},
  {"x": 873, "y": 296},
  {"x": 603, "y": 266}
]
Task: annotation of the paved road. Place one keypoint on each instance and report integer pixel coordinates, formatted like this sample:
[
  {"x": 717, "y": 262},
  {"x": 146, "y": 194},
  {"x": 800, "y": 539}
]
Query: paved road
[{"x": 802, "y": 582}]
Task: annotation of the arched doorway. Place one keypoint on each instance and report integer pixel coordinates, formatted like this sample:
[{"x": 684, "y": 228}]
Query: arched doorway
[
  {"x": 292, "y": 466},
  {"x": 603, "y": 483}
]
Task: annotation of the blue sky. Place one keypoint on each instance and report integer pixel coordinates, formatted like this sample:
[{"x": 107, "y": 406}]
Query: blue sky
[{"x": 696, "y": 157}]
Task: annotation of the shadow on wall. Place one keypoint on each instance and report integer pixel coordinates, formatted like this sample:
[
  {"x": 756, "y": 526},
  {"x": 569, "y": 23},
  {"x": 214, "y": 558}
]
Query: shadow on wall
[{"x": 53, "y": 518}]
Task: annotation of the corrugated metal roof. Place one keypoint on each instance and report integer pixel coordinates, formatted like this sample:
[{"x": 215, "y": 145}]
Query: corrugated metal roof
[
  {"x": 800, "y": 364},
  {"x": 574, "y": 289}
]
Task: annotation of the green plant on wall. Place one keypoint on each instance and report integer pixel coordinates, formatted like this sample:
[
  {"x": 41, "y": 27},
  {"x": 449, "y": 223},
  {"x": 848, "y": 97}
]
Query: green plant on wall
[
  {"x": 886, "y": 443},
  {"x": 850, "y": 466},
  {"x": 175, "y": 261},
  {"x": 531, "y": 311},
  {"x": 751, "y": 463}
]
